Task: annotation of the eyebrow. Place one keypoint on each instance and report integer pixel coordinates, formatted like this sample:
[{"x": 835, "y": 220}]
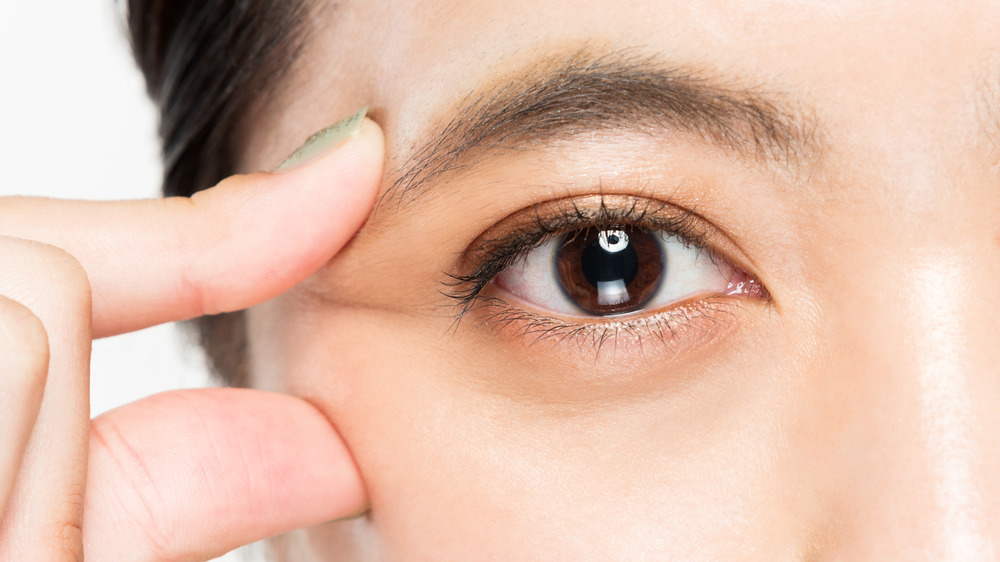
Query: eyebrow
[{"x": 560, "y": 98}]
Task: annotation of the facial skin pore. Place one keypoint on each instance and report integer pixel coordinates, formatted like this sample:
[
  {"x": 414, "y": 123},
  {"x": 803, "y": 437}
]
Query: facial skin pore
[{"x": 849, "y": 415}]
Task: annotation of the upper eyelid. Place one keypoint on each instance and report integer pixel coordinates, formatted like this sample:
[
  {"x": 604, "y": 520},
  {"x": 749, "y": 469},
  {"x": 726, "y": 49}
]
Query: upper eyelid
[
  {"x": 650, "y": 213},
  {"x": 496, "y": 254}
]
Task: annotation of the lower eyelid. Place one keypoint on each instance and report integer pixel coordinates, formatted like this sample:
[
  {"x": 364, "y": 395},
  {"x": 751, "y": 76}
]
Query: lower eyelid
[{"x": 667, "y": 332}]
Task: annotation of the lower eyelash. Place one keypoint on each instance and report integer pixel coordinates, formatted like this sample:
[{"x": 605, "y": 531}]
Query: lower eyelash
[{"x": 667, "y": 327}]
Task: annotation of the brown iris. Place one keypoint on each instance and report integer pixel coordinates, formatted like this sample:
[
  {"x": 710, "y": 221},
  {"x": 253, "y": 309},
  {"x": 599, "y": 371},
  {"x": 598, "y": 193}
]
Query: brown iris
[{"x": 610, "y": 271}]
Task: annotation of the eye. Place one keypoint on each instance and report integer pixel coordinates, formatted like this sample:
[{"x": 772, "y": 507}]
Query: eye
[
  {"x": 615, "y": 270},
  {"x": 586, "y": 269}
]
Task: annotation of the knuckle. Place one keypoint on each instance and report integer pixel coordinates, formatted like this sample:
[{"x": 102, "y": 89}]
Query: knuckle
[
  {"x": 237, "y": 181},
  {"x": 223, "y": 210},
  {"x": 61, "y": 536},
  {"x": 67, "y": 534}
]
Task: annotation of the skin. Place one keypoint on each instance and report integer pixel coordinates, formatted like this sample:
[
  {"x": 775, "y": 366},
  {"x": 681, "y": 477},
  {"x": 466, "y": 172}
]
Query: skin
[{"x": 850, "y": 416}]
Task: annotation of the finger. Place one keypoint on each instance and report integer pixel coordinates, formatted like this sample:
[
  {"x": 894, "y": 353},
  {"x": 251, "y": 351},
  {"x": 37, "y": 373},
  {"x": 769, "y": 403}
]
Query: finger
[
  {"x": 43, "y": 516},
  {"x": 229, "y": 247},
  {"x": 24, "y": 363},
  {"x": 190, "y": 475}
]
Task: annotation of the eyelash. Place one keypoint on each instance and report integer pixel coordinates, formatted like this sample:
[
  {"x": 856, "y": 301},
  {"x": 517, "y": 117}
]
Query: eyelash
[{"x": 489, "y": 257}]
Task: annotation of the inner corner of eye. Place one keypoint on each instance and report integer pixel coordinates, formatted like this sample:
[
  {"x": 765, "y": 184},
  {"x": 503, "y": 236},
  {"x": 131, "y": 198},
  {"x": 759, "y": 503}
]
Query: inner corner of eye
[{"x": 740, "y": 283}]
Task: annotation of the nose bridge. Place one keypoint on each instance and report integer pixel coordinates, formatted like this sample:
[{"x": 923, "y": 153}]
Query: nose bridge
[{"x": 926, "y": 431}]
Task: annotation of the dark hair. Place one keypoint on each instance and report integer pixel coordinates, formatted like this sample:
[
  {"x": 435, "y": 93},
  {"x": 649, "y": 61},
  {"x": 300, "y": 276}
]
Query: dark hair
[{"x": 207, "y": 63}]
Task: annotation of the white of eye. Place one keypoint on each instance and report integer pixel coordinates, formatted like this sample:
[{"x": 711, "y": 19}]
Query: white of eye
[{"x": 686, "y": 271}]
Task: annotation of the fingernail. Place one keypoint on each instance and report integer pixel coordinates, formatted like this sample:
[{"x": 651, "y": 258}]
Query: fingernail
[{"x": 324, "y": 141}]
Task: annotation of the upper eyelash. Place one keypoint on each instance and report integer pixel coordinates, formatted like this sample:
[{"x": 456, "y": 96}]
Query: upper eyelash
[{"x": 490, "y": 257}]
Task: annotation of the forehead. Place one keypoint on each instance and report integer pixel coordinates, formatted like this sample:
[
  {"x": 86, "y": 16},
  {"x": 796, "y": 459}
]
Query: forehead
[
  {"x": 879, "y": 71},
  {"x": 422, "y": 50}
]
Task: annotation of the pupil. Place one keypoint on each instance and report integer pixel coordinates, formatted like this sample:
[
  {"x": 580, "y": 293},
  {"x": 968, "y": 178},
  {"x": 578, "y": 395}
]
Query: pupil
[
  {"x": 610, "y": 258},
  {"x": 610, "y": 271}
]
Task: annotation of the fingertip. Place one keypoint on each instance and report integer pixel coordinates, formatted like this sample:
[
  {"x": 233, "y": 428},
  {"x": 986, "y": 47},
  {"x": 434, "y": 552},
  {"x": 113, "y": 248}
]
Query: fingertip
[
  {"x": 325, "y": 141},
  {"x": 279, "y": 227},
  {"x": 349, "y": 173},
  {"x": 248, "y": 239}
]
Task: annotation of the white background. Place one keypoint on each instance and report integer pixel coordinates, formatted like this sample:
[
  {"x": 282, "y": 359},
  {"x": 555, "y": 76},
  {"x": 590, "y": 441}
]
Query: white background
[{"x": 75, "y": 122}]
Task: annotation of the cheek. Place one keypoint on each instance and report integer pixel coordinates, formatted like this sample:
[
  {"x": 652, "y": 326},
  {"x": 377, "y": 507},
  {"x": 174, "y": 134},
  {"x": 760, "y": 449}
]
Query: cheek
[{"x": 453, "y": 468}]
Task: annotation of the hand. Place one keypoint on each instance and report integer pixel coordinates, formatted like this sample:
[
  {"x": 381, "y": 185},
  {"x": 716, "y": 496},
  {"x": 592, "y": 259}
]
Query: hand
[{"x": 185, "y": 475}]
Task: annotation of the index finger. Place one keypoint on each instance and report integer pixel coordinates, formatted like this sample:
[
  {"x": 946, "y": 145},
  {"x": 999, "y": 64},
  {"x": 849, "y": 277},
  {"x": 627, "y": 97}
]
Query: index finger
[{"x": 244, "y": 241}]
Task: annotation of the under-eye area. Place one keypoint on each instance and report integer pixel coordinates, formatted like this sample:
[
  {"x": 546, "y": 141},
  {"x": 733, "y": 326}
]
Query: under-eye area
[{"x": 602, "y": 270}]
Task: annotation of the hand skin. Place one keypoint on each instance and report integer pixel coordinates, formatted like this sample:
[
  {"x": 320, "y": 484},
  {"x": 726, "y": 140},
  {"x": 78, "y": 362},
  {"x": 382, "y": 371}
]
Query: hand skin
[{"x": 186, "y": 475}]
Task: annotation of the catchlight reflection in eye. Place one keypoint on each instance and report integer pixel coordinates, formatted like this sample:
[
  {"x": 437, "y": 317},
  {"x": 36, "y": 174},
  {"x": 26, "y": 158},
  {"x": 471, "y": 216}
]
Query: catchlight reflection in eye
[{"x": 614, "y": 271}]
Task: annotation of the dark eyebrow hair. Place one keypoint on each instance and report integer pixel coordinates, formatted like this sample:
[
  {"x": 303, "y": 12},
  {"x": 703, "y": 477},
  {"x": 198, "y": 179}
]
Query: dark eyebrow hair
[{"x": 563, "y": 97}]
